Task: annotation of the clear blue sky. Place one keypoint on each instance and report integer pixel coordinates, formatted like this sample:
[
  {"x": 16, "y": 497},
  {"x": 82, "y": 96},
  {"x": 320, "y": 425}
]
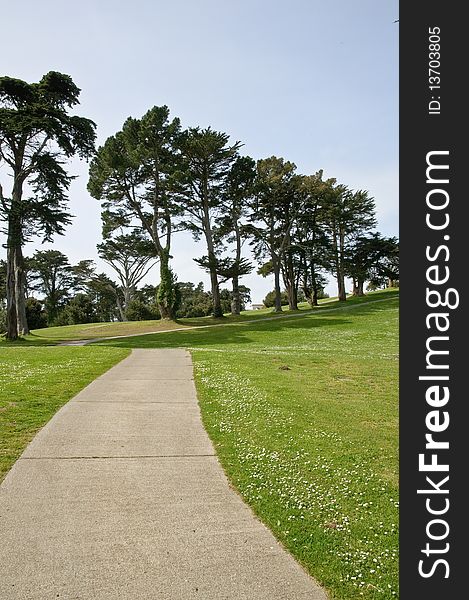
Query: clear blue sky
[{"x": 314, "y": 81}]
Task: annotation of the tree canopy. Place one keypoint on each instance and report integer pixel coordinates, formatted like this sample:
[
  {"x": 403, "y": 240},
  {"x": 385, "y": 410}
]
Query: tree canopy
[
  {"x": 37, "y": 136},
  {"x": 155, "y": 179}
]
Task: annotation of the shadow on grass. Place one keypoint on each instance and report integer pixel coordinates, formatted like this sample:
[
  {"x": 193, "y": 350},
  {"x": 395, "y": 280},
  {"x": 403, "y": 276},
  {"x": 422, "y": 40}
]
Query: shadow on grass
[
  {"x": 241, "y": 333},
  {"x": 229, "y": 331},
  {"x": 238, "y": 333}
]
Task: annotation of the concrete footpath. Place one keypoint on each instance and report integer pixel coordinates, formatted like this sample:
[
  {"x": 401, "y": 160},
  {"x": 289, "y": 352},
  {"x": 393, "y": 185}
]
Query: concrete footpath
[{"x": 120, "y": 497}]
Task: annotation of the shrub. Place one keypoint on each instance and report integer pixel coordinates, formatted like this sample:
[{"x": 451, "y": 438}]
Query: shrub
[
  {"x": 269, "y": 300},
  {"x": 79, "y": 310},
  {"x": 138, "y": 311},
  {"x": 35, "y": 314}
]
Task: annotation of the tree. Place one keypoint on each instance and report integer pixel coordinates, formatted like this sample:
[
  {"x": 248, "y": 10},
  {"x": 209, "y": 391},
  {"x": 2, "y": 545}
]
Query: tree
[
  {"x": 52, "y": 275},
  {"x": 366, "y": 260},
  {"x": 37, "y": 135},
  {"x": 386, "y": 268},
  {"x": 207, "y": 158},
  {"x": 310, "y": 243},
  {"x": 83, "y": 272},
  {"x": 347, "y": 215},
  {"x": 195, "y": 301},
  {"x": 274, "y": 210},
  {"x": 105, "y": 295},
  {"x": 133, "y": 175},
  {"x": 80, "y": 309},
  {"x": 131, "y": 256},
  {"x": 106, "y": 298},
  {"x": 226, "y": 297},
  {"x": 235, "y": 207}
]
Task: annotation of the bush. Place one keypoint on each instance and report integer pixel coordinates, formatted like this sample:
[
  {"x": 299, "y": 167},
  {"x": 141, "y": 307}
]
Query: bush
[
  {"x": 35, "y": 314},
  {"x": 138, "y": 311},
  {"x": 79, "y": 310},
  {"x": 269, "y": 300},
  {"x": 195, "y": 302},
  {"x": 3, "y": 320}
]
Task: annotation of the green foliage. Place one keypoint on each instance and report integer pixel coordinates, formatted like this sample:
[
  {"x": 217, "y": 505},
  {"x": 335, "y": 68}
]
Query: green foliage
[
  {"x": 37, "y": 134},
  {"x": 131, "y": 256},
  {"x": 138, "y": 311},
  {"x": 269, "y": 300},
  {"x": 373, "y": 258},
  {"x": 207, "y": 160},
  {"x": 104, "y": 294},
  {"x": 53, "y": 276},
  {"x": 168, "y": 296},
  {"x": 80, "y": 309},
  {"x": 133, "y": 175},
  {"x": 274, "y": 209},
  {"x": 195, "y": 302},
  {"x": 35, "y": 313}
]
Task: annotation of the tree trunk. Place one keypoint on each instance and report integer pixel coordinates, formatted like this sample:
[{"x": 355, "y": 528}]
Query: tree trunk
[
  {"x": 307, "y": 291},
  {"x": 340, "y": 269},
  {"x": 354, "y": 288},
  {"x": 278, "y": 294},
  {"x": 12, "y": 323},
  {"x": 292, "y": 297},
  {"x": 127, "y": 299},
  {"x": 341, "y": 286},
  {"x": 120, "y": 310},
  {"x": 212, "y": 263},
  {"x": 360, "y": 285},
  {"x": 314, "y": 284},
  {"x": 292, "y": 289},
  {"x": 235, "y": 300},
  {"x": 217, "y": 311},
  {"x": 16, "y": 308},
  {"x": 22, "y": 322}
]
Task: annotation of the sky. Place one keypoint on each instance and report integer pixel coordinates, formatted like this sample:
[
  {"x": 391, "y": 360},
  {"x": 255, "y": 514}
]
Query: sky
[{"x": 313, "y": 81}]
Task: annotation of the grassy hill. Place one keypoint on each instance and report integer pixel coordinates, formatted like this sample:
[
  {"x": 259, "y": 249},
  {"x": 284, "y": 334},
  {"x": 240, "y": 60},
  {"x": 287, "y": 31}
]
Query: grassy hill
[
  {"x": 93, "y": 331},
  {"x": 302, "y": 409}
]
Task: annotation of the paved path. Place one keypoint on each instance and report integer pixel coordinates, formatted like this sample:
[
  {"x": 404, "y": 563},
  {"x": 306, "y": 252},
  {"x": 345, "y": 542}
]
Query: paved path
[{"x": 121, "y": 497}]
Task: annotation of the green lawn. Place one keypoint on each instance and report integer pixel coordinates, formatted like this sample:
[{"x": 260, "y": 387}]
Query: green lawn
[
  {"x": 36, "y": 382},
  {"x": 303, "y": 413},
  {"x": 89, "y": 331}
]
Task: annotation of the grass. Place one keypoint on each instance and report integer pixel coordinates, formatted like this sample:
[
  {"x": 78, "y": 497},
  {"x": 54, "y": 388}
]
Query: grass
[
  {"x": 35, "y": 383},
  {"x": 303, "y": 413},
  {"x": 91, "y": 331}
]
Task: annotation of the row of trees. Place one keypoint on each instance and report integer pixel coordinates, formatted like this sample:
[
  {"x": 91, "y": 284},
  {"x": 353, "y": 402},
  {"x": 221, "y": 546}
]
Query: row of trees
[
  {"x": 71, "y": 294},
  {"x": 154, "y": 179}
]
